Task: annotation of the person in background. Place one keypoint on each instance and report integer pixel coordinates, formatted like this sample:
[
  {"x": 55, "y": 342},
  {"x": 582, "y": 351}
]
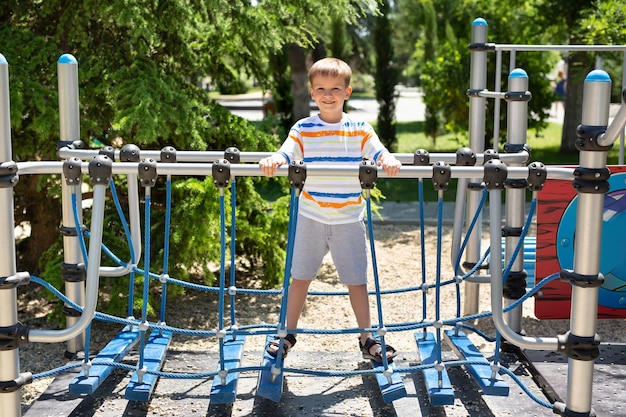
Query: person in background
[
  {"x": 331, "y": 209},
  {"x": 560, "y": 88}
]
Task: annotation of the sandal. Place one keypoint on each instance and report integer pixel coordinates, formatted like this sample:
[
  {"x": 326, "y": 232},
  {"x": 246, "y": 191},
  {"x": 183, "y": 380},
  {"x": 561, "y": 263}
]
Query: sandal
[
  {"x": 274, "y": 345},
  {"x": 377, "y": 357}
]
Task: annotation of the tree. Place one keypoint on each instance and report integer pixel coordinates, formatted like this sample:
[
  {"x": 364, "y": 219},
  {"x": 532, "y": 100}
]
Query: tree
[
  {"x": 386, "y": 76},
  {"x": 139, "y": 64},
  {"x": 442, "y": 58}
]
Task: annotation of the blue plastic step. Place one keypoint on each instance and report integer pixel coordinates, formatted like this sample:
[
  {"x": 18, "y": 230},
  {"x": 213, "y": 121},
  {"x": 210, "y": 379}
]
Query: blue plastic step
[
  {"x": 268, "y": 386},
  {"x": 225, "y": 391},
  {"x": 466, "y": 350},
  {"x": 114, "y": 351},
  {"x": 154, "y": 356},
  {"x": 393, "y": 389},
  {"x": 437, "y": 383}
]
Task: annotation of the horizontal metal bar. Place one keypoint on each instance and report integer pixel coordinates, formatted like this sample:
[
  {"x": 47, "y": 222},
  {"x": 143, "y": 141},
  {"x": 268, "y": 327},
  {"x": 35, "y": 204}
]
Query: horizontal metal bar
[{"x": 325, "y": 170}]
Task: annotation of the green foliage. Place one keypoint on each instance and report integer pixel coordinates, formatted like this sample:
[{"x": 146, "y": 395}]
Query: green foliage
[{"x": 385, "y": 77}]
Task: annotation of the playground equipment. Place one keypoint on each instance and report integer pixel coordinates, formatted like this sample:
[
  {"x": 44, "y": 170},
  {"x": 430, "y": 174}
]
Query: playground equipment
[{"x": 495, "y": 172}]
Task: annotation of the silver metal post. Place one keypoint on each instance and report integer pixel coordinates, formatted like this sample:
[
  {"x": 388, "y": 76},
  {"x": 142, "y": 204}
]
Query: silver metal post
[
  {"x": 9, "y": 359},
  {"x": 478, "y": 81},
  {"x": 584, "y": 310},
  {"x": 517, "y": 117},
  {"x": 69, "y": 131}
]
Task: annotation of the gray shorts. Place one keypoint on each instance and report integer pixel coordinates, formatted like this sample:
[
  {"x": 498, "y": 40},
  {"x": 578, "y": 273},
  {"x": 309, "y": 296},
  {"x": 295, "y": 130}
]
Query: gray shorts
[{"x": 347, "y": 244}]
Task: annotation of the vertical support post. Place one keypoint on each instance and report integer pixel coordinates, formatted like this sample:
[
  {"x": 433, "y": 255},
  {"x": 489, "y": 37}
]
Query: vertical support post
[
  {"x": 591, "y": 183},
  {"x": 69, "y": 132},
  {"x": 9, "y": 359},
  {"x": 517, "y": 117},
  {"x": 478, "y": 81}
]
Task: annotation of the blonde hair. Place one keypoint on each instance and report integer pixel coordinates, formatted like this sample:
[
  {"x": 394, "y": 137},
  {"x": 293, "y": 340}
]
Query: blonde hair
[{"x": 331, "y": 67}]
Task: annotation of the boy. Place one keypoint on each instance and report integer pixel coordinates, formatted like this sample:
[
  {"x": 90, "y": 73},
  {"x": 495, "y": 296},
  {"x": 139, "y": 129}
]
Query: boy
[{"x": 330, "y": 210}]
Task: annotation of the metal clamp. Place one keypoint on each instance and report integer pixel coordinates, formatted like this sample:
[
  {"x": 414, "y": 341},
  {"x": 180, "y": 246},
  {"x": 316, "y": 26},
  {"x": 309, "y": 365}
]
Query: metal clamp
[
  {"x": 8, "y": 174},
  {"x": 482, "y": 46},
  {"x": 221, "y": 173},
  {"x": 591, "y": 180},
  {"x": 15, "y": 280},
  {"x": 582, "y": 348},
  {"x": 108, "y": 151},
  {"x": 297, "y": 174},
  {"x": 100, "y": 170},
  {"x": 73, "y": 272},
  {"x": 587, "y": 138},
  {"x": 368, "y": 174},
  {"x": 148, "y": 172},
  {"x": 421, "y": 157},
  {"x": 465, "y": 157},
  {"x": 495, "y": 174},
  {"x": 537, "y": 175},
  {"x": 232, "y": 155},
  {"x": 72, "y": 171},
  {"x": 130, "y": 153},
  {"x": 12, "y": 337},
  {"x": 561, "y": 409},
  {"x": 490, "y": 154},
  {"x": 441, "y": 175},
  {"x": 580, "y": 280},
  {"x": 518, "y": 96},
  {"x": 168, "y": 154},
  {"x": 17, "y": 383}
]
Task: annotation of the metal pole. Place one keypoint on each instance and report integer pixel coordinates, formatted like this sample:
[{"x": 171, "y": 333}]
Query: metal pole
[
  {"x": 517, "y": 117},
  {"x": 591, "y": 184},
  {"x": 478, "y": 81},
  {"x": 69, "y": 131},
  {"x": 9, "y": 359}
]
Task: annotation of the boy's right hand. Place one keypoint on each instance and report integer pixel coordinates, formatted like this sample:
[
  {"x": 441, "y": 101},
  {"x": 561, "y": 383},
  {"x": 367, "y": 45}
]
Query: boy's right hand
[{"x": 271, "y": 163}]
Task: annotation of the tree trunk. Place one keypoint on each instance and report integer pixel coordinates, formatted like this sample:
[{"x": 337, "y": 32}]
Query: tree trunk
[
  {"x": 33, "y": 205},
  {"x": 579, "y": 65},
  {"x": 299, "y": 85}
]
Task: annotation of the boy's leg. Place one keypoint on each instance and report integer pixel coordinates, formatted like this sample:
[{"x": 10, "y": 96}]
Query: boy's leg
[
  {"x": 298, "y": 290},
  {"x": 359, "y": 300},
  {"x": 361, "y": 307}
]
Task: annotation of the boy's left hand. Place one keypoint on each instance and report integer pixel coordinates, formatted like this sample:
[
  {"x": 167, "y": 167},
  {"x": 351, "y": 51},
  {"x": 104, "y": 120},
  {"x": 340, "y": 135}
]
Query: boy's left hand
[{"x": 390, "y": 164}]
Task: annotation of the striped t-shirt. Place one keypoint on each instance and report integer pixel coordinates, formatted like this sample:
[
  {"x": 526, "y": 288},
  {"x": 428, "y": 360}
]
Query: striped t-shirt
[{"x": 332, "y": 200}]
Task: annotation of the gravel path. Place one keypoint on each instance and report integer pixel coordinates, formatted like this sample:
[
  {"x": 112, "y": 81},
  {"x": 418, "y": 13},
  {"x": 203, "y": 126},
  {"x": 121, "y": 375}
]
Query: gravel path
[{"x": 398, "y": 255}]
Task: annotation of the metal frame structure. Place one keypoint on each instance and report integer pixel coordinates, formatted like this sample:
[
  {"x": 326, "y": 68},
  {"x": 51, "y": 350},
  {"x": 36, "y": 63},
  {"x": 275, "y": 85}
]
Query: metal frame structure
[{"x": 590, "y": 180}]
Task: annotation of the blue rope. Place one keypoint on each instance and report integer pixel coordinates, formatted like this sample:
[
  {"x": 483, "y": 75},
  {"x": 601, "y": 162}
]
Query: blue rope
[
  {"x": 291, "y": 234},
  {"x": 420, "y": 197},
  {"x": 120, "y": 213},
  {"x": 222, "y": 275},
  {"x": 166, "y": 246},
  {"x": 379, "y": 304},
  {"x": 146, "y": 281},
  {"x": 233, "y": 233},
  {"x": 438, "y": 279}
]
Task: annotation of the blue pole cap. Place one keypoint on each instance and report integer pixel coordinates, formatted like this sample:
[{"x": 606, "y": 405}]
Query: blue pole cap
[
  {"x": 598, "y": 76},
  {"x": 518, "y": 73},
  {"x": 67, "y": 59},
  {"x": 479, "y": 22},
  {"x": 3, "y": 60}
]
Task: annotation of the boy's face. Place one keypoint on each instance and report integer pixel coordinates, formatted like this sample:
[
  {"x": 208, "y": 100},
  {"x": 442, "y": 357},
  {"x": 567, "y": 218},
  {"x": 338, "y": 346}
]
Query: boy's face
[{"x": 329, "y": 93}]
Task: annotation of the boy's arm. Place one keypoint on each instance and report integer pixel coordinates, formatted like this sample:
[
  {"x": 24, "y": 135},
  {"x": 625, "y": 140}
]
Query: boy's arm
[
  {"x": 271, "y": 163},
  {"x": 390, "y": 163}
]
